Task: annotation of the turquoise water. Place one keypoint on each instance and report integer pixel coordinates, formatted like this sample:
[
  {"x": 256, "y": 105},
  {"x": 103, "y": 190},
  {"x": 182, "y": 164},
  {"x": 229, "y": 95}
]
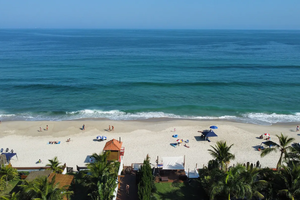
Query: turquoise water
[{"x": 249, "y": 76}]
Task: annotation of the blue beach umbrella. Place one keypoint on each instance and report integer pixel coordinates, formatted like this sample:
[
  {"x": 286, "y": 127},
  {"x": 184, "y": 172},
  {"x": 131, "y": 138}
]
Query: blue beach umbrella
[{"x": 213, "y": 127}]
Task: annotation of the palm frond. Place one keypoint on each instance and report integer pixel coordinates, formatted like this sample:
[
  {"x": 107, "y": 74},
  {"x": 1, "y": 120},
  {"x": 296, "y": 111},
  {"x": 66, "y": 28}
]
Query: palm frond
[{"x": 267, "y": 151}]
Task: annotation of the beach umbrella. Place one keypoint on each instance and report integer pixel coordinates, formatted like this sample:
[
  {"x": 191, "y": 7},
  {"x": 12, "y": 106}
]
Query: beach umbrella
[
  {"x": 270, "y": 143},
  {"x": 213, "y": 127},
  {"x": 267, "y": 134},
  {"x": 210, "y": 134},
  {"x": 99, "y": 137}
]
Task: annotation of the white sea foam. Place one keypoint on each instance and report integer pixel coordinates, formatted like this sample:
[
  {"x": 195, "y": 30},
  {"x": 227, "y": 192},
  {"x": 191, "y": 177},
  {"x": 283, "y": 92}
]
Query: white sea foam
[
  {"x": 254, "y": 118},
  {"x": 273, "y": 118}
]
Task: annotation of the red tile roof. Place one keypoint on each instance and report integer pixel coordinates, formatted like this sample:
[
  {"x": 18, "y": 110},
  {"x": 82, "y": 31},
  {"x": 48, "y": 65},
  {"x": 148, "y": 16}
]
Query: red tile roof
[{"x": 113, "y": 145}]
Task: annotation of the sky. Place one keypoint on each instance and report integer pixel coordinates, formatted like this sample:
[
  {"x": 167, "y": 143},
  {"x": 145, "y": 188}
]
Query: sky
[{"x": 151, "y": 14}]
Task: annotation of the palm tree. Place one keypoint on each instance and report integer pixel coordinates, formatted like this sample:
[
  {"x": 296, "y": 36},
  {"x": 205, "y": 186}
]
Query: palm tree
[
  {"x": 283, "y": 146},
  {"x": 221, "y": 154},
  {"x": 252, "y": 177},
  {"x": 55, "y": 166},
  {"x": 103, "y": 176},
  {"x": 294, "y": 156},
  {"x": 290, "y": 179},
  {"x": 43, "y": 189},
  {"x": 232, "y": 184}
]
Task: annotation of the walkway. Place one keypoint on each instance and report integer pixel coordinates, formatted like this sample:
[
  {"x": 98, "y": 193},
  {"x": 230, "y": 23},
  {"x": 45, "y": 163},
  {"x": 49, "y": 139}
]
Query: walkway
[{"x": 130, "y": 179}]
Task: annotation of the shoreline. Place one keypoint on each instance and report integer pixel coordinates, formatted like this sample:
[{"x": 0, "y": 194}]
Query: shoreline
[
  {"x": 157, "y": 120},
  {"x": 139, "y": 137}
]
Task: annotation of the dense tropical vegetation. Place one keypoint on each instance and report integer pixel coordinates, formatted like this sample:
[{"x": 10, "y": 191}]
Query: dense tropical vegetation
[
  {"x": 251, "y": 181},
  {"x": 44, "y": 189},
  {"x": 99, "y": 181},
  {"x": 7, "y": 173}
]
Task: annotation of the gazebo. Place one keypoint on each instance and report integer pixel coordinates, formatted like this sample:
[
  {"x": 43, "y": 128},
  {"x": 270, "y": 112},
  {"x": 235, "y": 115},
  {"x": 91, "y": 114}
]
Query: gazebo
[
  {"x": 115, "y": 148},
  {"x": 173, "y": 168}
]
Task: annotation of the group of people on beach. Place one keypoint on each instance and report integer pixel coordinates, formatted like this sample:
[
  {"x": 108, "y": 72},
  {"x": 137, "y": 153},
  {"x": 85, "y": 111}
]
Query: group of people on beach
[
  {"x": 53, "y": 142},
  {"x": 111, "y": 129},
  {"x": 46, "y": 129}
]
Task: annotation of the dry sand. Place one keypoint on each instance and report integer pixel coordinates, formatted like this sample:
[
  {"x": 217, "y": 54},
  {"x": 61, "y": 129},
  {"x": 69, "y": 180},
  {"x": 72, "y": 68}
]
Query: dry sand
[{"x": 139, "y": 138}]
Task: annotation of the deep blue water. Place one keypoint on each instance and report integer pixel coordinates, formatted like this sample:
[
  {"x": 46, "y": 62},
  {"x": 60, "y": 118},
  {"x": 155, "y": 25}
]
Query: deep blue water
[{"x": 250, "y": 76}]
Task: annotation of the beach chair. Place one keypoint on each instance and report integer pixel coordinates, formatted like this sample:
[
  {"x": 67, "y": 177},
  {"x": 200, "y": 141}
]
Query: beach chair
[
  {"x": 175, "y": 136},
  {"x": 174, "y": 145},
  {"x": 1, "y": 150},
  {"x": 57, "y": 142},
  {"x": 7, "y": 149}
]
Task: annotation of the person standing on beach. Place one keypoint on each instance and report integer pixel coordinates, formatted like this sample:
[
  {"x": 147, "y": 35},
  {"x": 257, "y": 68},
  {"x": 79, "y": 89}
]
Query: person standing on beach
[
  {"x": 109, "y": 127},
  {"x": 40, "y": 129},
  {"x": 297, "y": 128},
  {"x": 127, "y": 189},
  {"x": 83, "y": 127},
  {"x": 46, "y": 127},
  {"x": 112, "y": 128}
]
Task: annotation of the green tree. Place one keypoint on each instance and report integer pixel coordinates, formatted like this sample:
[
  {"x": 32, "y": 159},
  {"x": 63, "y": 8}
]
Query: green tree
[
  {"x": 221, "y": 153},
  {"x": 2, "y": 182},
  {"x": 102, "y": 177},
  {"x": 238, "y": 182},
  {"x": 289, "y": 182},
  {"x": 294, "y": 156},
  {"x": 43, "y": 189},
  {"x": 283, "y": 146},
  {"x": 231, "y": 184},
  {"x": 13, "y": 196},
  {"x": 9, "y": 172},
  {"x": 145, "y": 180},
  {"x": 55, "y": 166}
]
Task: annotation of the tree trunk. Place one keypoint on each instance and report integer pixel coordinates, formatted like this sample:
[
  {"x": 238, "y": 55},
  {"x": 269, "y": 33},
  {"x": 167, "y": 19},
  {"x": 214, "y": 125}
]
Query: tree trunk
[{"x": 279, "y": 161}]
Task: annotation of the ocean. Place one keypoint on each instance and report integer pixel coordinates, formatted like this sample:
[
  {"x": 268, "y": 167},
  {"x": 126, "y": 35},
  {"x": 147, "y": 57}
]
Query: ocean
[{"x": 241, "y": 75}]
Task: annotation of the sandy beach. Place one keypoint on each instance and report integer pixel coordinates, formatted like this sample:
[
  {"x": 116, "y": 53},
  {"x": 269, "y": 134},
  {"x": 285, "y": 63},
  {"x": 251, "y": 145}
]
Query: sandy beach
[{"x": 139, "y": 138}]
